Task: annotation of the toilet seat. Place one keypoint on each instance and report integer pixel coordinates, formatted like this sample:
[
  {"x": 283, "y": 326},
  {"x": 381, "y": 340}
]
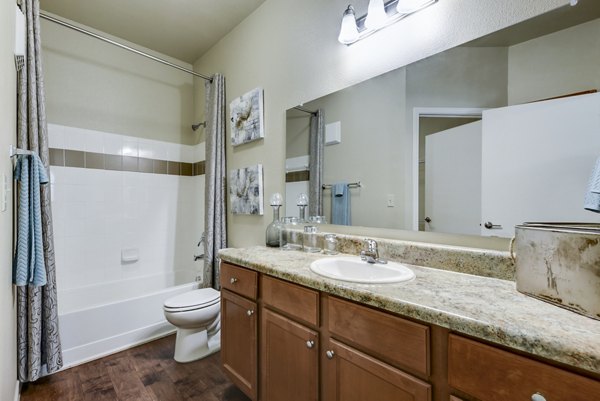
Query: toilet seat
[{"x": 192, "y": 300}]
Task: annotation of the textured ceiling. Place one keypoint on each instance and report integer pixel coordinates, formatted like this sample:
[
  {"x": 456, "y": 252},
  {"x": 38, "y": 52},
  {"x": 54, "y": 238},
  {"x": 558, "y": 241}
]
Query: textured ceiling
[{"x": 183, "y": 29}]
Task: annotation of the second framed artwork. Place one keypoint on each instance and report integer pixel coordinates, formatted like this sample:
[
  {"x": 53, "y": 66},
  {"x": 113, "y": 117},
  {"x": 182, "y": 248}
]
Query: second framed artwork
[
  {"x": 246, "y": 190},
  {"x": 247, "y": 117}
]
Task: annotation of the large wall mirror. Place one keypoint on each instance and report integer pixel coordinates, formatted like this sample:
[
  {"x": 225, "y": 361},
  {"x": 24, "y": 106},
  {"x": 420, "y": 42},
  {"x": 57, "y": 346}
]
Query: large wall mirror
[{"x": 498, "y": 131}]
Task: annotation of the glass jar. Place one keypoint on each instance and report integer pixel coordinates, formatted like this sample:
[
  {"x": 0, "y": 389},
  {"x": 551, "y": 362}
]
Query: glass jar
[
  {"x": 274, "y": 229},
  {"x": 290, "y": 234},
  {"x": 330, "y": 244},
  {"x": 310, "y": 243},
  {"x": 317, "y": 219}
]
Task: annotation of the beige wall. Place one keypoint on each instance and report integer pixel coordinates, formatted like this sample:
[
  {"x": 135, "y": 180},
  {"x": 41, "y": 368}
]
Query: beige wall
[
  {"x": 8, "y": 354},
  {"x": 557, "y": 64},
  {"x": 94, "y": 85},
  {"x": 293, "y": 53}
]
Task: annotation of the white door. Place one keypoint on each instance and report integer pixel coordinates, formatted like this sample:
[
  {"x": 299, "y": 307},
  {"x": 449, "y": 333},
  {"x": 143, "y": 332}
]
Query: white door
[
  {"x": 537, "y": 159},
  {"x": 453, "y": 180}
]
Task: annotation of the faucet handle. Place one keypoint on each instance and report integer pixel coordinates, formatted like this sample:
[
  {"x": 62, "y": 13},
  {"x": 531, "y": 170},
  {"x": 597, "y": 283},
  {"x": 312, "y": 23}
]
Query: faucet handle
[
  {"x": 370, "y": 245},
  {"x": 202, "y": 238}
]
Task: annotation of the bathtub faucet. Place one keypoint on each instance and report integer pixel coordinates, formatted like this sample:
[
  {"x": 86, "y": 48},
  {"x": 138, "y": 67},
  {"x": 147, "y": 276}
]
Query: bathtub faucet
[{"x": 202, "y": 239}]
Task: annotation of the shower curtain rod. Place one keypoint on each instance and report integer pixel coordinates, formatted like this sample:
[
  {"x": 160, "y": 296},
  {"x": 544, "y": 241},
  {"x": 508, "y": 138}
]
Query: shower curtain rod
[
  {"x": 122, "y": 46},
  {"x": 305, "y": 110}
]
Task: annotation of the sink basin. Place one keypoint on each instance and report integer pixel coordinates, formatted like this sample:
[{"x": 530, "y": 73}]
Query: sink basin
[{"x": 355, "y": 270}]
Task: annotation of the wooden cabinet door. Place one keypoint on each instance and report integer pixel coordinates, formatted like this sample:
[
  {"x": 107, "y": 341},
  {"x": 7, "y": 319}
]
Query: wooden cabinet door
[
  {"x": 239, "y": 341},
  {"x": 350, "y": 375},
  {"x": 289, "y": 364}
]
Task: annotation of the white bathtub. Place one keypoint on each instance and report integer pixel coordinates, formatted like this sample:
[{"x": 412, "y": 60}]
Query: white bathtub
[{"x": 99, "y": 320}]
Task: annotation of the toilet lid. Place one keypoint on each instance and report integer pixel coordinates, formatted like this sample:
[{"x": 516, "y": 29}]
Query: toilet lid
[{"x": 193, "y": 298}]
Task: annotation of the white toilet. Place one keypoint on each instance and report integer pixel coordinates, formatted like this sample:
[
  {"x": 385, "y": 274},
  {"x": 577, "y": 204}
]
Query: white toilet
[{"x": 196, "y": 314}]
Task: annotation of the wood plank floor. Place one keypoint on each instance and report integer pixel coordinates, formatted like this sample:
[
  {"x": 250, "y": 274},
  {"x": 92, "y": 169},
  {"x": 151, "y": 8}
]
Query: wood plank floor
[{"x": 146, "y": 373}]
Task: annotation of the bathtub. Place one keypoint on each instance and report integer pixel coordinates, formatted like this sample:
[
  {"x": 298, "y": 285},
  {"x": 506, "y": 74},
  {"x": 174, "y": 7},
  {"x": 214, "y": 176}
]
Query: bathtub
[{"x": 102, "y": 319}]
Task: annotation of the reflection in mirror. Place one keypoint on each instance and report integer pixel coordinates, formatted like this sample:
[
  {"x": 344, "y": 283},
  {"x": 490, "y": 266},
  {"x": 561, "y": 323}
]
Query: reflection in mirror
[{"x": 473, "y": 140}]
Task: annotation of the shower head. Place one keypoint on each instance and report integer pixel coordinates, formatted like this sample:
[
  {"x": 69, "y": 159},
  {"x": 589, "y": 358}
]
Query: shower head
[{"x": 196, "y": 126}]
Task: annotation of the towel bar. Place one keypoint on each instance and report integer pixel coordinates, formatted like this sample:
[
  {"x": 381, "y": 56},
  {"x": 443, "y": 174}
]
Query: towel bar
[
  {"x": 14, "y": 151},
  {"x": 350, "y": 185}
]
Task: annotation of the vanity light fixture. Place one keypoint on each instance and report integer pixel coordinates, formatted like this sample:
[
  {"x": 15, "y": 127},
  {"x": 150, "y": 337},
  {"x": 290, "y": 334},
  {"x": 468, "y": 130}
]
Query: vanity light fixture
[
  {"x": 380, "y": 14},
  {"x": 376, "y": 15}
]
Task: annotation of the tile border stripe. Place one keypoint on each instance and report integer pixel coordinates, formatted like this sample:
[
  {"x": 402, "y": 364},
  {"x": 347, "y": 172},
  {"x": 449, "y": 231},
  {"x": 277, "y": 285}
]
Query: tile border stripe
[
  {"x": 297, "y": 176},
  {"x": 102, "y": 161}
]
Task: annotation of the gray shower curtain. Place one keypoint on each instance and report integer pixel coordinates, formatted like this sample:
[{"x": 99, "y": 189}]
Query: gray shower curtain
[
  {"x": 38, "y": 343},
  {"x": 316, "y": 143},
  {"x": 214, "y": 198}
]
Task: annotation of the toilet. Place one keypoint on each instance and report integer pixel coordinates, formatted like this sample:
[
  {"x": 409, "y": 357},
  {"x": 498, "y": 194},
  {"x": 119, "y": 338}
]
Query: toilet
[{"x": 197, "y": 316}]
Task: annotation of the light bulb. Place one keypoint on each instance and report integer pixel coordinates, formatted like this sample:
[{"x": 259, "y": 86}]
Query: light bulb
[
  {"x": 376, "y": 16},
  {"x": 410, "y": 6},
  {"x": 349, "y": 30}
]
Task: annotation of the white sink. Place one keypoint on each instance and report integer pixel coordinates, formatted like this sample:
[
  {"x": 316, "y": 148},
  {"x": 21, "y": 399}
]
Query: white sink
[{"x": 355, "y": 270}]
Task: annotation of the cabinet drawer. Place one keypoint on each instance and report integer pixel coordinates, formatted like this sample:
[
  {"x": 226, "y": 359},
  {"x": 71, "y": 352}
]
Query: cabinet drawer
[
  {"x": 296, "y": 301},
  {"x": 390, "y": 338},
  {"x": 239, "y": 280},
  {"x": 491, "y": 374},
  {"x": 352, "y": 375}
]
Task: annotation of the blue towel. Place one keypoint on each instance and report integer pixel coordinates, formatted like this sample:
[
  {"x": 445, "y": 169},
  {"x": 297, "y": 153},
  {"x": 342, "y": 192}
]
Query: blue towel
[
  {"x": 28, "y": 264},
  {"x": 340, "y": 204},
  {"x": 592, "y": 194}
]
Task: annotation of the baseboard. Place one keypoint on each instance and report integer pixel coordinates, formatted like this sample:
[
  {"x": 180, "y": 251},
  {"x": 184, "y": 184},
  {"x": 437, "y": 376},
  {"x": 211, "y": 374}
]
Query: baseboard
[
  {"x": 99, "y": 349},
  {"x": 17, "y": 396}
]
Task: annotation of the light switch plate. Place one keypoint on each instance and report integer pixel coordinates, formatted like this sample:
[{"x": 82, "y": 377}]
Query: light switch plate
[{"x": 391, "y": 201}]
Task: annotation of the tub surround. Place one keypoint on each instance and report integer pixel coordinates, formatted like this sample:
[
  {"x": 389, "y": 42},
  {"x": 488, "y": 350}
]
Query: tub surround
[
  {"x": 486, "y": 308},
  {"x": 116, "y": 195}
]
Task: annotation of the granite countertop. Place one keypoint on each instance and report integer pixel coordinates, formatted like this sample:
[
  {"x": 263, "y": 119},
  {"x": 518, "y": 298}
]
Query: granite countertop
[{"x": 487, "y": 308}]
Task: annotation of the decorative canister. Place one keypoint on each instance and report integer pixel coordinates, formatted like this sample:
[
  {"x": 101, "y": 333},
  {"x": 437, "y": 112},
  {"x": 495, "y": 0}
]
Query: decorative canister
[{"x": 560, "y": 263}]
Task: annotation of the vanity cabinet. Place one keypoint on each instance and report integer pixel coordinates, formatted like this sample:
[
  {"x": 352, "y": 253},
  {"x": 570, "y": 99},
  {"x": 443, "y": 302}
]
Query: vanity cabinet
[
  {"x": 314, "y": 346},
  {"x": 239, "y": 327}
]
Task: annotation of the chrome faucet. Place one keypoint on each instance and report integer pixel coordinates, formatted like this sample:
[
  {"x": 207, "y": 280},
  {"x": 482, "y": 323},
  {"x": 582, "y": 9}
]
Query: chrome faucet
[
  {"x": 370, "y": 252},
  {"x": 202, "y": 239}
]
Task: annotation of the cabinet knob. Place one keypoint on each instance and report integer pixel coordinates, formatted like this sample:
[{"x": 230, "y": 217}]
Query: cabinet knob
[
  {"x": 330, "y": 354},
  {"x": 233, "y": 280},
  {"x": 310, "y": 344},
  {"x": 250, "y": 312},
  {"x": 538, "y": 397}
]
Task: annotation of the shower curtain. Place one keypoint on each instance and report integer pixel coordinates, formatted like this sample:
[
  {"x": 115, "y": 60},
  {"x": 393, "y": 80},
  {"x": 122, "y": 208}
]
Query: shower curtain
[
  {"x": 214, "y": 198},
  {"x": 38, "y": 343},
  {"x": 316, "y": 143}
]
